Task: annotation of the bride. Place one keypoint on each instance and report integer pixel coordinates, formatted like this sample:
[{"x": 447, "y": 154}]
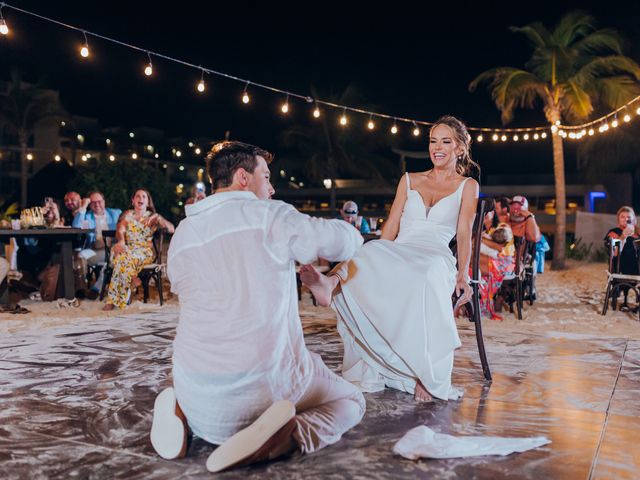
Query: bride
[{"x": 393, "y": 299}]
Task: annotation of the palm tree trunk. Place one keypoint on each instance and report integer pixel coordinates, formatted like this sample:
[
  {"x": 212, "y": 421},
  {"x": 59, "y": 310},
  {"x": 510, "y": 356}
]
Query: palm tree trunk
[
  {"x": 559, "y": 242},
  {"x": 24, "y": 170}
]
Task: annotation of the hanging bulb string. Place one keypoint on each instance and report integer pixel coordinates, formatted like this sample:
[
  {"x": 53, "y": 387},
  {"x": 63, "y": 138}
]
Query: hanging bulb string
[{"x": 305, "y": 98}]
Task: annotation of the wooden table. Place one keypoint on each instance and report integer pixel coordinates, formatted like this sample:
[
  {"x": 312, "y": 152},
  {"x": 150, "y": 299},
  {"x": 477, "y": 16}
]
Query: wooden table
[{"x": 63, "y": 236}]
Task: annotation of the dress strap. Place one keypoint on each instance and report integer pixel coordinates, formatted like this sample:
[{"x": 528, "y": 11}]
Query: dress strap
[
  {"x": 461, "y": 187},
  {"x": 408, "y": 181}
]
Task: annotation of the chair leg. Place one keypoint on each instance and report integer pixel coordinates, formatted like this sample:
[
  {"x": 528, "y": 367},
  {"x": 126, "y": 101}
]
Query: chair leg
[
  {"x": 607, "y": 295},
  {"x": 477, "y": 321},
  {"x": 519, "y": 299},
  {"x": 108, "y": 272},
  {"x": 159, "y": 281},
  {"x": 145, "y": 288}
]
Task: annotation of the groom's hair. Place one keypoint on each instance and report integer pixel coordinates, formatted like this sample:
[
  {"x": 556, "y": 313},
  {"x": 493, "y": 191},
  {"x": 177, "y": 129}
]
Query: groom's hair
[{"x": 225, "y": 158}]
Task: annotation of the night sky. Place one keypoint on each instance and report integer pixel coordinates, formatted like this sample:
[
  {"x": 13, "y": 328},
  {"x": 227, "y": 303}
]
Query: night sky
[{"x": 402, "y": 59}]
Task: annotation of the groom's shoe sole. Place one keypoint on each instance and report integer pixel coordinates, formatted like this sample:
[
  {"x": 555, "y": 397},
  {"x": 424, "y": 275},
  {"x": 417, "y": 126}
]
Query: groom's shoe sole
[
  {"x": 256, "y": 442},
  {"x": 169, "y": 427}
]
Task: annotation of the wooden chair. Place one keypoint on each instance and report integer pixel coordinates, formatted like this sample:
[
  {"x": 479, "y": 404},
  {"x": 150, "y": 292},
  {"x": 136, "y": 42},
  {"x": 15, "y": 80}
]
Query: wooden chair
[
  {"x": 473, "y": 307},
  {"x": 154, "y": 270},
  {"x": 512, "y": 289},
  {"x": 617, "y": 281}
]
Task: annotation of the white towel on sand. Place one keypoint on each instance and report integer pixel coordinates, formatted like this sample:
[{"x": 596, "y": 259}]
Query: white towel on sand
[{"x": 424, "y": 442}]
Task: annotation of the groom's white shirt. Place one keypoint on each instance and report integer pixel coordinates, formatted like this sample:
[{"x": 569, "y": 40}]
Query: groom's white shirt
[{"x": 239, "y": 344}]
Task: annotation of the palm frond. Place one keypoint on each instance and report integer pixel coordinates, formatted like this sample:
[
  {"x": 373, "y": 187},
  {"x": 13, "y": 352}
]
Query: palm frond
[
  {"x": 615, "y": 91},
  {"x": 536, "y": 32},
  {"x": 576, "y": 102},
  {"x": 605, "y": 66},
  {"x": 572, "y": 27},
  {"x": 605, "y": 40}
]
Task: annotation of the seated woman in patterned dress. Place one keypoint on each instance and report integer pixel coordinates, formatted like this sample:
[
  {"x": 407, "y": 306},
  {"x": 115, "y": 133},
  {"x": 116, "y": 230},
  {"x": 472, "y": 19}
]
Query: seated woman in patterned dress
[{"x": 134, "y": 247}]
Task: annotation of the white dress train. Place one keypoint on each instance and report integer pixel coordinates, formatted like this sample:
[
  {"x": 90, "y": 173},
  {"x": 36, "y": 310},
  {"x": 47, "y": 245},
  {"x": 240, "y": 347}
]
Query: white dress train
[{"x": 394, "y": 308}]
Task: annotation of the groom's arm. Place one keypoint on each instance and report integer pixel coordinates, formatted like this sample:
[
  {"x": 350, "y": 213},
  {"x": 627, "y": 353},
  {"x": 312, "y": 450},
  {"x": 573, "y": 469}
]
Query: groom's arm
[{"x": 295, "y": 236}]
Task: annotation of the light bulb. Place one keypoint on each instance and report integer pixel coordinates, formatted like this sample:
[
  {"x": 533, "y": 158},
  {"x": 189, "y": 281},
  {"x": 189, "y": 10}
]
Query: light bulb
[
  {"x": 536, "y": 136},
  {"x": 29, "y": 156},
  {"x": 131, "y": 134},
  {"x": 554, "y": 129},
  {"x": 134, "y": 156},
  {"x": 84, "y": 51},
  {"x": 57, "y": 158},
  {"x": 638, "y": 111},
  {"x": 148, "y": 71},
  {"x": 495, "y": 137},
  {"x": 201, "y": 86},
  {"x": 181, "y": 168},
  {"x": 516, "y": 138},
  {"x": 4, "y": 28},
  {"x": 627, "y": 118},
  {"x": 480, "y": 138},
  {"x": 503, "y": 138},
  {"x": 591, "y": 132},
  {"x": 572, "y": 135},
  {"x": 112, "y": 158},
  {"x": 343, "y": 120},
  {"x": 614, "y": 124},
  {"x": 316, "y": 113},
  {"x": 178, "y": 153},
  {"x": 371, "y": 125},
  {"x": 525, "y": 136},
  {"x": 394, "y": 129},
  {"x": 416, "y": 132},
  {"x": 543, "y": 135},
  {"x": 285, "y": 108},
  {"x": 245, "y": 98},
  {"x": 197, "y": 151},
  {"x": 557, "y": 122}
]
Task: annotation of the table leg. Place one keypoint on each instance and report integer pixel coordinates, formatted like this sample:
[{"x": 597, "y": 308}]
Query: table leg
[{"x": 67, "y": 269}]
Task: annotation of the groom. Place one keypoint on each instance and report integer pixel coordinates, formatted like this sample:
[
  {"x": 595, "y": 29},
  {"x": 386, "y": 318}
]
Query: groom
[{"x": 242, "y": 375}]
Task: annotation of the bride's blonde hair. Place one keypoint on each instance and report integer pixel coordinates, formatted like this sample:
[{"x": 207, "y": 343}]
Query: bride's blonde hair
[{"x": 465, "y": 163}]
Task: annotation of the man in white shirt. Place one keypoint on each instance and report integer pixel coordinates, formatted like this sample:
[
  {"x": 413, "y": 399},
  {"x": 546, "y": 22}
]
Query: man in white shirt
[{"x": 242, "y": 375}]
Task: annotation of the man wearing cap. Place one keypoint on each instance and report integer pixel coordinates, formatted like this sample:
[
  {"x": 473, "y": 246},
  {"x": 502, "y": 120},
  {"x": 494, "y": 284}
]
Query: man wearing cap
[
  {"x": 349, "y": 213},
  {"x": 523, "y": 223}
]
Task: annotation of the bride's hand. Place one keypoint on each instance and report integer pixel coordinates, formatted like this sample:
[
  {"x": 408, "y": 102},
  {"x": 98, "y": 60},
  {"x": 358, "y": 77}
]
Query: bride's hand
[{"x": 463, "y": 290}]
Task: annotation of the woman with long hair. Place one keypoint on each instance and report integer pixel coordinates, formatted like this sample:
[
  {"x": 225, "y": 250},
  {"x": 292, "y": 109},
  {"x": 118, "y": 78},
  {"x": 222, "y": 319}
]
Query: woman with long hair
[
  {"x": 393, "y": 299},
  {"x": 134, "y": 247}
]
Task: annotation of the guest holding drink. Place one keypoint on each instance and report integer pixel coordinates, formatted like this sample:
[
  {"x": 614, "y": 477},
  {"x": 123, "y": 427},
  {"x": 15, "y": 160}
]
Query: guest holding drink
[{"x": 349, "y": 213}]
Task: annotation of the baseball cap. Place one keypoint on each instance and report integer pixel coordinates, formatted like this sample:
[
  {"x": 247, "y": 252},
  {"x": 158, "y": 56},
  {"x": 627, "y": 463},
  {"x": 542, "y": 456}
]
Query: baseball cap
[
  {"x": 350, "y": 208},
  {"x": 521, "y": 200}
]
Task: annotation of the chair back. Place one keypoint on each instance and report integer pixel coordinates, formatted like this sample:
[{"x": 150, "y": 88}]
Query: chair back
[
  {"x": 109, "y": 237},
  {"x": 614, "y": 254}
]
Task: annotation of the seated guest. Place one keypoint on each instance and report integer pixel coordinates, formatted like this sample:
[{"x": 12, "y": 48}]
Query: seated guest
[
  {"x": 497, "y": 262},
  {"x": 98, "y": 218},
  {"x": 51, "y": 213},
  {"x": 502, "y": 209},
  {"x": 134, "y": 247},
  {"x": 625, "y": 231},
  {"x": 72, "y": 205},
  {"x": 523, "y": 223},
  {"x": 349, "y": 213}
]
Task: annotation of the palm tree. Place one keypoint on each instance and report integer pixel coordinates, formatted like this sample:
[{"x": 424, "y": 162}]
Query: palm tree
[
  {"x": 22, "y": 108},
  {"x": 571, "y": 69},
  {"x": 330, "y": 150}
]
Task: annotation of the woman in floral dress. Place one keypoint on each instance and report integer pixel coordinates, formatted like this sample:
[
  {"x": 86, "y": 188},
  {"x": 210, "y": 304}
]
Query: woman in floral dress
[{"x": 134, "y": 247}]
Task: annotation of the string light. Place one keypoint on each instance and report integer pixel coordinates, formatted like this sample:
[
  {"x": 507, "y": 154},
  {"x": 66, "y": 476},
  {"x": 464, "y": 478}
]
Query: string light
[
  {"x": 148, "y": 70},
  {"x": 84, "y": 51},
  {"x": 370, "y": 124},
  {"x": 495, "y": 137},
  {"x": 29, "y": 156},
  {"x": 285, "y": 106},
  {"x": 134, "y": 156},
  {"x": 4, "y": 28},
  {"x": 416, "y": 130},
  {"x": 479, "y": 138},
  {"x": 57, "y": 158},
  {"x": 343, "y": 118},
  {"x": 201, "y": 86},
  {"x": 197, "y": 151},
  {"x": 112, "y": 158},
  {"x": 603, "y": 123},
  {"x": 245, "y": 96}
]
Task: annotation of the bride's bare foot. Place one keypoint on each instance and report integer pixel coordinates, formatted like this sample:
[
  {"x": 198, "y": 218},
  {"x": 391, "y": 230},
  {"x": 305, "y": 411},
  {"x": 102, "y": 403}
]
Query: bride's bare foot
[
  {"x": 321, "y": 286},
  {"x": 421, "y": 394},
  {"x": 108, "y": 307}
]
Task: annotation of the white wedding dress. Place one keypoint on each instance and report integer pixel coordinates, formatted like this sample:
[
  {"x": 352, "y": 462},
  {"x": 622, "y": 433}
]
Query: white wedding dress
[{"x": 394, "y": 309}]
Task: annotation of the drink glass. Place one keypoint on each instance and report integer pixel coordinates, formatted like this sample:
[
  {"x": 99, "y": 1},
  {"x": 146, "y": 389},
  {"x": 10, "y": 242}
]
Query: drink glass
[
  {"x": 15, "y": 224},
  {"x": 358, "y": 221}
]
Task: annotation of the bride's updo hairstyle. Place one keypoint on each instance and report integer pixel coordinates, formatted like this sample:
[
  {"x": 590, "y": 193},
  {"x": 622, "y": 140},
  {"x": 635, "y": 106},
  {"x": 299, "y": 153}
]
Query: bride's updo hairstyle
[{"x": 465, "y": 164}]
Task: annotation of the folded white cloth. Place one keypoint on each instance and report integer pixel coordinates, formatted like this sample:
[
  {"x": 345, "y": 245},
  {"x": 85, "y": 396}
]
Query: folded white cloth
[
  {"x": 87, "y": 253},
  {"x": 424, "y": 442}
]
